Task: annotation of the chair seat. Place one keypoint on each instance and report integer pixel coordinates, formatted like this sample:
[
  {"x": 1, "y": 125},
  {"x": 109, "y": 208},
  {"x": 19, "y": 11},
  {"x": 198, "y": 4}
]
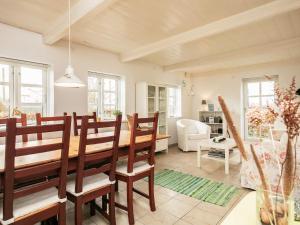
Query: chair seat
[
  {"x": 196, "y": 136},
  {"x": 138, "y": 167},
  {"x": 89, "y": 183},
  {"x": 32, "y": 203}
]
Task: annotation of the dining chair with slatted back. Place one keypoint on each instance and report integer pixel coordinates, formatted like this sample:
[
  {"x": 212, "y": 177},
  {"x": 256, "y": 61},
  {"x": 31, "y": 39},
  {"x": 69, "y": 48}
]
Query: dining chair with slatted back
[
  {"x": 95, "y": 171},
  {"x": 32, "y": 203},
  {"x": 77, "y": 126},
  {"x": 140, "y": 163},
  {"x": 20, "y": 120},
  {"x": 46, "y": 119}
]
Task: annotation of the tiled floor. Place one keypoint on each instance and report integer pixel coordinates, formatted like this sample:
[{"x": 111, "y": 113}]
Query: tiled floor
[{"x": 174, "y": 208}]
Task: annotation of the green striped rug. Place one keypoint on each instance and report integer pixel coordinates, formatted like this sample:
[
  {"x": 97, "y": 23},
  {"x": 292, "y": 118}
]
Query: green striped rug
[{"x": 200, "y": 188}]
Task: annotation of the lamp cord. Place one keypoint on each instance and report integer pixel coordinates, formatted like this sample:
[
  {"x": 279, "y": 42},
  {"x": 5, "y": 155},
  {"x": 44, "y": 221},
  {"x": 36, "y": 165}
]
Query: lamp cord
[{"x": 69, "y": 32}]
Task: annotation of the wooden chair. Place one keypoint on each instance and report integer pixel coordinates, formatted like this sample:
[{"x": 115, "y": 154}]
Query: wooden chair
[
  {"x": 36, "y": 202},
  {"x": 40, "y": 120},
  {"x": 91, "y": 181},
  {"x": 22, "y": 121},
  {"x": 77, "y": 126},
  {"x": 140, "y": 163}
]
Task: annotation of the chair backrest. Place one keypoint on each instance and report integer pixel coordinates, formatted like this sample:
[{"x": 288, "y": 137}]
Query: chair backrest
[
  {"x": 105, "y": 160},
  {"x": 22, "y": 121},
  {"x": 77, "y": 126},
  {"x": 142, "y": 150},
  {"x": 40, "y": 119},
  {"x": 17, "y": 174}
]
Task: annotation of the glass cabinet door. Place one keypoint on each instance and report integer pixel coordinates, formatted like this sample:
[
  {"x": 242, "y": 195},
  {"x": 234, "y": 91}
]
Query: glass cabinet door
[
  {"x": 162, "y": 108},
  {"x": 151, "y": 99}
]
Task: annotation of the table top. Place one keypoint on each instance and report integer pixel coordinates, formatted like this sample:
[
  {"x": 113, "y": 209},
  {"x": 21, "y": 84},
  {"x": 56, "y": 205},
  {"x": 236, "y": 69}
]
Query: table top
[
  {"x": 208, "y": 143},
  {"x": 245, "y": 212},
  {"x": 39, "y": 158}
]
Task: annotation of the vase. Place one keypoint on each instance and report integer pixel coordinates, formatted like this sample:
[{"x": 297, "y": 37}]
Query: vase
[{"x": 273, "y": 209}]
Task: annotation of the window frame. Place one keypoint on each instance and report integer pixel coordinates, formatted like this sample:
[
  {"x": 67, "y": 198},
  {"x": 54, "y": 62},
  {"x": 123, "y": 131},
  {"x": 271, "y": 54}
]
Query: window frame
[
  {"x": 100, "y": 76},
  {"x": 15, "y": 84},
  {"x": 246, "y": 81},
  {"x": 177, "y": 101}
]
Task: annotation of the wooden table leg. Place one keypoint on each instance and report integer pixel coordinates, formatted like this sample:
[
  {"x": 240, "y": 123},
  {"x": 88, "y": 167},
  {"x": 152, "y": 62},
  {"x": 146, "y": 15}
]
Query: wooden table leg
[
  {"x": 226, "y": 160},
  {"x": 199, "y": 156}
]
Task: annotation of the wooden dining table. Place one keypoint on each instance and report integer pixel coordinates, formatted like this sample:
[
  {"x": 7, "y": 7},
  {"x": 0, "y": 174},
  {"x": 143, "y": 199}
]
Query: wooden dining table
[{"x": 40, "y": 158}]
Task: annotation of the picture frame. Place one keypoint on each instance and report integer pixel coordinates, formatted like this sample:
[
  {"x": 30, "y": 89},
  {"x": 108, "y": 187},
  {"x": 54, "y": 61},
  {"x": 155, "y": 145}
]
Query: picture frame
[
  {"x": 211, "y": 119},
  {"x": 211, "y": 107}
]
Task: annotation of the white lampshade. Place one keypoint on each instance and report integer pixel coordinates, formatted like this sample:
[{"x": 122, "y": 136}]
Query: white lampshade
[{"x": 69, "y": 79}]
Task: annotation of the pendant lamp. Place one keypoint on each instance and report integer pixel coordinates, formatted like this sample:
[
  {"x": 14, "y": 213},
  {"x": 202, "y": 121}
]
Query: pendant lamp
[{"x": 69, "y": 79}]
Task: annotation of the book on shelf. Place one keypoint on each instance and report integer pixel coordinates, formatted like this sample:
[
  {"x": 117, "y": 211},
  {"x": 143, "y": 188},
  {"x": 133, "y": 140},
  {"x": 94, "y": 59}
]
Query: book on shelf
[{"x": 217, "y": 153}]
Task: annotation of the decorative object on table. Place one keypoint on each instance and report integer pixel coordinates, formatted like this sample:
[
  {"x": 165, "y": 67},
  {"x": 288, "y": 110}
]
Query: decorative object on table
[
  {"x": 273, "y": 204},
  {"x": 69, "y": 79},
  {"x": 16, "y": 112},
  {"x": 117, "y": 112},
  {"x": 3, "y": 110},
  {"x": 200, "y": 188},
  {"x": 219, "y": 139},
  {"x": 211, "y": 107}
]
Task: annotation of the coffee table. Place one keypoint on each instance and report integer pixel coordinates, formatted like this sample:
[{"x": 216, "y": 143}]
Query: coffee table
[{"x": 209, "y": 144}]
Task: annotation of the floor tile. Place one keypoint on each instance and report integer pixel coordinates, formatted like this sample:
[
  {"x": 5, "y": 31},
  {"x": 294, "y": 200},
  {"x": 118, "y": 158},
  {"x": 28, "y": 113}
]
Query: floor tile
[
  {"x": 176, "y": 207},
  {"x": 200, "y": 217},
  {"x": 160, "y": 217}
]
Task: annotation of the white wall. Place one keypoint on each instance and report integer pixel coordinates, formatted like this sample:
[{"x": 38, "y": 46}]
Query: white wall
[
  {"x": 228, "y": 83},
  {"x": 20, "y": 44}
]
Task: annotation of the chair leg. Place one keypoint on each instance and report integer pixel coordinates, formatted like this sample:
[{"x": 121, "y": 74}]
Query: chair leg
[
  {"x": 104, "y": 203},
  {"x": 130, "y": 201},
  {"x": 117, "y": 186},
  {"x": 151, "y": 191},
  {"x": 93, "y": 208},
  {"x": 112, "y": 216},
  {"x": 62, "y": 214},
  {"x": 78, "y": 211}
]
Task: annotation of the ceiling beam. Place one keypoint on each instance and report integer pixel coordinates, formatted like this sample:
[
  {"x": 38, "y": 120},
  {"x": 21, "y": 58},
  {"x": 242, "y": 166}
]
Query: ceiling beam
[
  {"x": 274, "y": 51},
  {"x": 244, "y": 18},
  {"x": 83, "y": 9}
]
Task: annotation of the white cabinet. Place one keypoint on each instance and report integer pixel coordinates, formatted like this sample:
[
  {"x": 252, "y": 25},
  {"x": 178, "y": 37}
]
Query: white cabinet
[{"x": 151, "y": 98}]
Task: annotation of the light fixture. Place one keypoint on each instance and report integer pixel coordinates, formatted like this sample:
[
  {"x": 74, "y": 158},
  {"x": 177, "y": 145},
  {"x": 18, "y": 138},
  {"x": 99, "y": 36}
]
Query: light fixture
[
  {"x": 69, "y": 79},
  {"x": 204, "y": 105},
  {"x": 192, "y": 93}
]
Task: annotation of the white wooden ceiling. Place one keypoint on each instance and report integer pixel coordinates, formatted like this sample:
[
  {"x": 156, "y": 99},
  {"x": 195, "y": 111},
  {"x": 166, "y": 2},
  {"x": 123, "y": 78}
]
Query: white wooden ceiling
[{"x": 129, "y": 27}]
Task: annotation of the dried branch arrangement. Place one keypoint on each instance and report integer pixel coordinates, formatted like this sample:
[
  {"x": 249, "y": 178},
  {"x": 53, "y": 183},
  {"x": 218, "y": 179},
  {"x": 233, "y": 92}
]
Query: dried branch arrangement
[
  {"x": 232, "y": 128},
  {"x": 287, "y": 107}
]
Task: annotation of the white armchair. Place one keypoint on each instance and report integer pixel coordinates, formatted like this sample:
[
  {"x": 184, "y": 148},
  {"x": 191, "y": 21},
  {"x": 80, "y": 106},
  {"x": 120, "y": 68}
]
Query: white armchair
[{"x": 189, "y": 132}]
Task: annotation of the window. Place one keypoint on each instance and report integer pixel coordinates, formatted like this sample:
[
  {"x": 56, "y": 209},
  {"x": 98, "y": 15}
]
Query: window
[
  {"x": 23, "y": 87},
  {"x": 258, "y": 92},
  {"x": 104, "y": 94},
  {"x": 174, "y": 102}
]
